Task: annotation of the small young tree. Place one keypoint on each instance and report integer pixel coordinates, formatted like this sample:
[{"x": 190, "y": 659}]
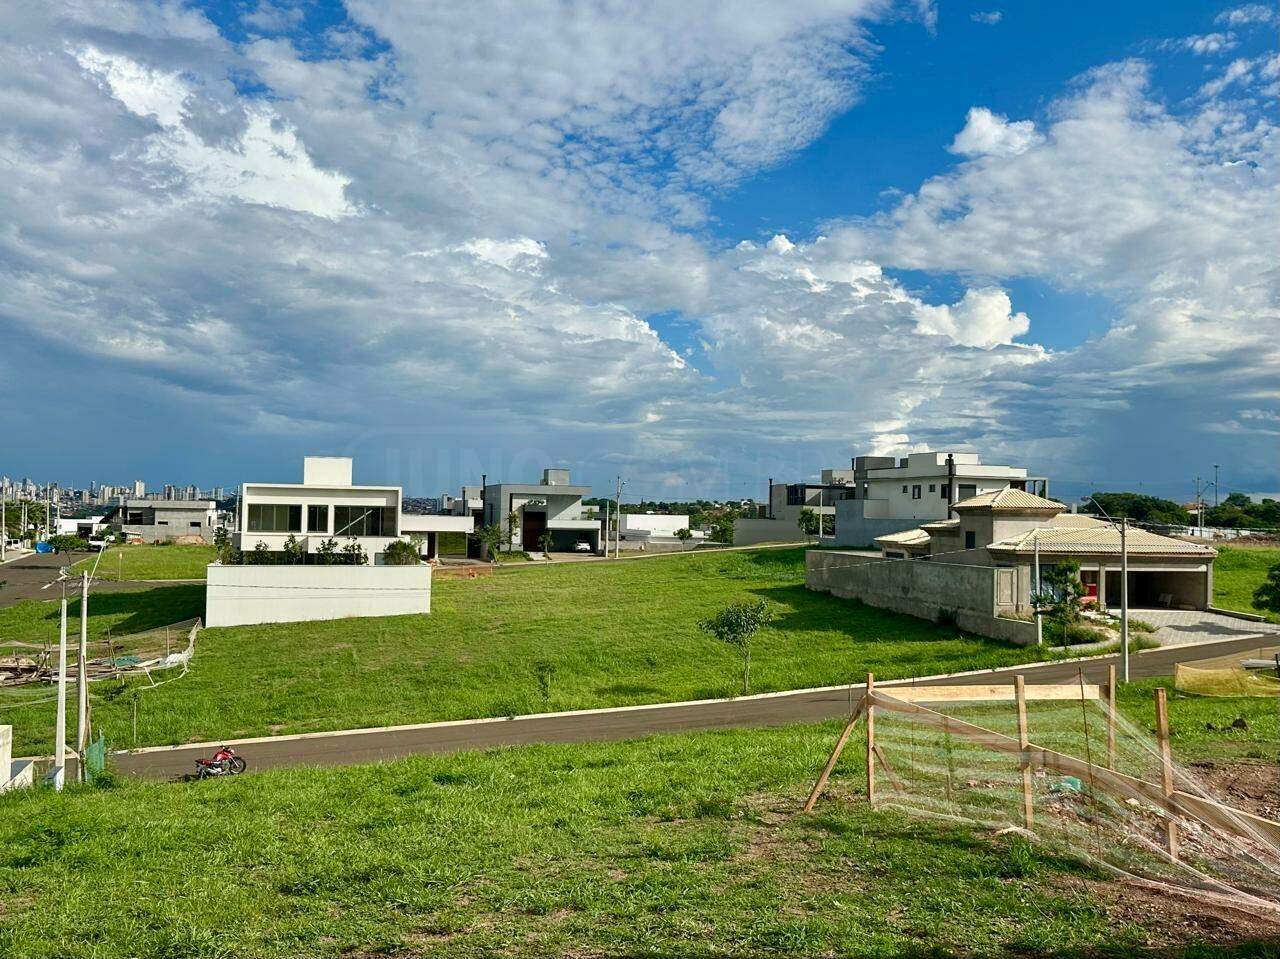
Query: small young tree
[
  {"x": 491, "y": 539},
  {"x": 1267, "y": 596},
  {"x": 327, "y": 551},
  {"x": 544, "y": 543},
  {"x": 1060, "y": 594},
  {"x": 354, "y": 552},
  {"x": 261, "y": 556},
  {"x": 295, "y": 551},
  {"x": 513, "y": 527},
  {"x": 684, "y": 536},
  {"x": 66, "y": 544},
  {"x": 736, "y": 624},
  {"x": 808, "y": 522},
  {"x": 401, "y": 553}
]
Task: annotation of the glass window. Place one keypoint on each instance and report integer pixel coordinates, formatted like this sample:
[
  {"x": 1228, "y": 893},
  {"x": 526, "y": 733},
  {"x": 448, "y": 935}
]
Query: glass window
[
  {"x": 933, "y": 487},
  {"x": 915, "y": 491},
  {"x": 904, "y": 487},
  {"x": 946, "y": 491},
  {"x": 364, "y": 521},
  {"x": 317, "y": 519},
  {"x": 275, "y": 518},
  {"x": 970, "y": 539}
]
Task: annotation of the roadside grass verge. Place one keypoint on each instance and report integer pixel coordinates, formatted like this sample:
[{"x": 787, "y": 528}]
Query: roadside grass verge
[
  {"x": 640, "y": 847},
  {"x": 1237, "y": 572},
  {"x": 601, "y": 849},
  {"x": 558, "y": 637},
  {"x": 147, "y": 561}
]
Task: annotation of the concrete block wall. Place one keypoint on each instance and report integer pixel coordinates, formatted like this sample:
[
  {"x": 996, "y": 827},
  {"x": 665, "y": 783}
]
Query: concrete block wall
[
  {"x": 249, "y": 595},
  {"x": 918, "y": 589}
]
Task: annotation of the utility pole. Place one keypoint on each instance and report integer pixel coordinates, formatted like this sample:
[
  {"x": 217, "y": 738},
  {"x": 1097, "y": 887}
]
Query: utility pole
[
  {"x": 4, "y": 529},
  {"x": 60, "y": 723},
  {"x": 606, "y": 528},
  {"x": 1124, "y": 598},
  {"x": 1035, "y": 538},
  {"x": 1215, "y": 485},
  {"x": 1199, "y": 508},
  {"x": 82, "y": 675},
  {"x": 617, "y": 515}
]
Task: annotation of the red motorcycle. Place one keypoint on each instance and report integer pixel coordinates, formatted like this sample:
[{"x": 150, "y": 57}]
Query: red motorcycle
[{"x": 225, "y": 762}]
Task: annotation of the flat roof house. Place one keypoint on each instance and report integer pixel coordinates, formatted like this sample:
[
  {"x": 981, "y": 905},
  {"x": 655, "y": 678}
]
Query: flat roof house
[
  {"x": 328, "y": 505},
  {"x": 891, "y": 495},
  {"x": 553, "y": 506},
  {"x": 164, "y": 521},
  {"x": 781, "y": 515}
]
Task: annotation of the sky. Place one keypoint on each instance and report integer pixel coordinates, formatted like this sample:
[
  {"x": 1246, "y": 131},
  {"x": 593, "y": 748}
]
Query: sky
[{"x": 693, "y": 245}]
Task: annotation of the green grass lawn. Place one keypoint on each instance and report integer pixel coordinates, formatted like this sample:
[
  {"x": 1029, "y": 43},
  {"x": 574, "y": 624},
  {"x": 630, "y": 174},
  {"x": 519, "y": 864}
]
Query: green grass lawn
[
  {"x": 146, "y": 561},
  {"x": 1237, "y": 572},
  {"x": 563, "y": 636},
  {"x": 672, "y": 845}
]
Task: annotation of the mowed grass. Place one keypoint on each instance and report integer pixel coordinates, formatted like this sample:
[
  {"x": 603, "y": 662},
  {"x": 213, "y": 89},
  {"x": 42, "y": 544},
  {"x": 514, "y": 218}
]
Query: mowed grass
[
  {"x": 1237, "y": 572},
  {"x": 147, "y": 561},
  {"x": 558, "y": 637},
  {"x": 672, "y": 845},
  {"x": 684, "y": 845}
]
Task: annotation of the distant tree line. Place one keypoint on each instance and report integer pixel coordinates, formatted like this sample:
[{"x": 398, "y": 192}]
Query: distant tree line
[{"x": 1236, "y": 511}]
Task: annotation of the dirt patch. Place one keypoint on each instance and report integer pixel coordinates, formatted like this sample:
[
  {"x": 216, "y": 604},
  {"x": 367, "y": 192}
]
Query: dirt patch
[
  {"x": 1168, "y": 919},
  {"x": 1251, "y": 786}
]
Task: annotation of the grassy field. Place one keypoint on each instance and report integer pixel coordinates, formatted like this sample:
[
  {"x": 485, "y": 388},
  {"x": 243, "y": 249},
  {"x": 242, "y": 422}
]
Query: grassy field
[
  {"x": 1237, "y": 572},
  {"x": 675, "y": 845},
  {"x": 523, "y": 640},
  {"x": 146, "y": 561}
]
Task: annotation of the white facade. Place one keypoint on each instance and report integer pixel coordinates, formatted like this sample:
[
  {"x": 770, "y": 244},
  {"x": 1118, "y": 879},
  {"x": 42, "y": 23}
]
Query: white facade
[
  {"x": 250, "y": 595},
  {"x": 327, "y": 505},
  {"x": 655, "y": 526}
]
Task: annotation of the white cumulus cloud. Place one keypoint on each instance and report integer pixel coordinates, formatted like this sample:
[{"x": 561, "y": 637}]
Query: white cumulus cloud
[{"x": 990, "y": 134}]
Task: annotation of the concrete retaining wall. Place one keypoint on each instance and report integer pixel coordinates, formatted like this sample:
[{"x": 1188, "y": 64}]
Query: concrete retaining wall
[
  {"x": 918, "y": 589},
  {"x": 247, "y": 595}
]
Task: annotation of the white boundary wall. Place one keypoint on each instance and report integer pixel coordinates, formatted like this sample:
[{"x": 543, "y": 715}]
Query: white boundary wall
[{"x": 247, "y": 595}]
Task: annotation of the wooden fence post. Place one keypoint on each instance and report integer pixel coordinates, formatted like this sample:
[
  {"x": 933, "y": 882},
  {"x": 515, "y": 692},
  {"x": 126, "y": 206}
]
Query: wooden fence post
[
  {"x": 835, "y": 755},
  {"x": 1111, "y": 716},
  {"x": 1166, "y": 769},
  {"x": 871, "y": 739},
  {"x": 1024, "y": 744}
]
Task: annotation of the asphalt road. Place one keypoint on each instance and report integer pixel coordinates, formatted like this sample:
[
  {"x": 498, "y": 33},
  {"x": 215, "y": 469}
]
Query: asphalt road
[
  {"x": 26, "y": 577},
  {"x": 373, "y": 745}
]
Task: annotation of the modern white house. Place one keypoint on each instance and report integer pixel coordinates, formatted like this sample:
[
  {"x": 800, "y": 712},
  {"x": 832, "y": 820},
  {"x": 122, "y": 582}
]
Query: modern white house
[
  {"x": 323, "y": 514},
  {"x": 888, "y": 495}
]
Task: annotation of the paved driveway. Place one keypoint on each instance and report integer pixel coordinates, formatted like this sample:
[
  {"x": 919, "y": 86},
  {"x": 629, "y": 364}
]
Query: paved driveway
[
  {"x": 26, "y": 577},
  {"x": 1178, "y": 626}
]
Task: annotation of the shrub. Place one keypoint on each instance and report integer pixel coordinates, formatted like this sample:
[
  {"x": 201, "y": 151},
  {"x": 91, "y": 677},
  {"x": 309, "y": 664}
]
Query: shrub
[
  {"x": 401, "y": 553},
  {"x": 1140, "y": 626},
  {"x": 1078, "y": 634}
]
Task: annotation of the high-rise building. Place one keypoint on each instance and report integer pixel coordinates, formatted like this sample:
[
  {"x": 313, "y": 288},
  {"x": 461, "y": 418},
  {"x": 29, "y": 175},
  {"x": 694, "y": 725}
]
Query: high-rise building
[
  {"x": 168, "y": 491},
  {"x": 139, "y": 489}
]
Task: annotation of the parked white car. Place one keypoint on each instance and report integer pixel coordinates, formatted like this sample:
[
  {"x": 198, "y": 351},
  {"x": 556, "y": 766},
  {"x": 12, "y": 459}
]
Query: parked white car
[{"x": 582, "y": 546}]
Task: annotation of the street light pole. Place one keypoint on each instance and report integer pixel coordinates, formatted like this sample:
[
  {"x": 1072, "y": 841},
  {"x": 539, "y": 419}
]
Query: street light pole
[
  {"x": 82, "y": 676},
  {"x": 1124, "y": 598},
  {"x": 60, "y": 721},
  {"x": 1035, "y": 538},
  {"x": 1215, "y": 484}
]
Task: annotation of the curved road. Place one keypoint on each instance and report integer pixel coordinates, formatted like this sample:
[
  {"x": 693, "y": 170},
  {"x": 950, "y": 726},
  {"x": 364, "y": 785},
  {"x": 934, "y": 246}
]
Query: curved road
[{"x": 771, "y": 709}]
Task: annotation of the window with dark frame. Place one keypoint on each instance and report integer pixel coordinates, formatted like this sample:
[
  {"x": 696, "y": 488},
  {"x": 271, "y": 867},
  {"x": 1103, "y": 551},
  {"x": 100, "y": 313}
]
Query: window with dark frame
[
  {"x": 933, "y": 487},
  {"x": 275, "y": 518},
  {"x": 970, "y": 539},
  {"x": 946, "y": 491},
  {"x": 317, "y": 519},
  {"x": 915, "y": 491}
]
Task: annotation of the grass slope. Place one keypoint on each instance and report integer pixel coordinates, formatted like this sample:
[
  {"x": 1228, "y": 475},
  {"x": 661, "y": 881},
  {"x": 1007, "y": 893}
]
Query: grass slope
[
  {"x": 597, "y": 635},
  {"x": 672, "y": 845},
  {"x": 151, "y": 562},
  {"x": 1237, "y": 572}
]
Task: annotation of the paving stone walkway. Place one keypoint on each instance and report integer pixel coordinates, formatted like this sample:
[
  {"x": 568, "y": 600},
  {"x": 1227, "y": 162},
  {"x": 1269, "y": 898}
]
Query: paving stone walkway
[{"x": 1176, "y": 627}]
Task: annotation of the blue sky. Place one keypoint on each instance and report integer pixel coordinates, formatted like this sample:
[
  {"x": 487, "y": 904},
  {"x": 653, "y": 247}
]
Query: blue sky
[{"x": 695, "y": 245}]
